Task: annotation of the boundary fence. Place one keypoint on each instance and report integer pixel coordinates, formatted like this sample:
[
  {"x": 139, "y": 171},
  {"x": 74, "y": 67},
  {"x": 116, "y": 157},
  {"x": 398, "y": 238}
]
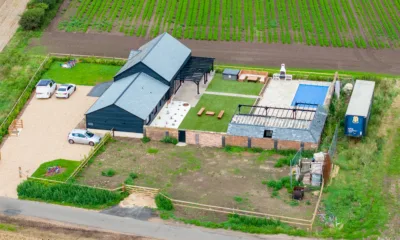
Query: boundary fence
[{"x": 155, "y": 191}]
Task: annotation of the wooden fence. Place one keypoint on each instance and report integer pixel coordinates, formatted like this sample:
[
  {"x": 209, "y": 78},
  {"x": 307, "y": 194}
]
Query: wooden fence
[{"x": 92, "y": 152}]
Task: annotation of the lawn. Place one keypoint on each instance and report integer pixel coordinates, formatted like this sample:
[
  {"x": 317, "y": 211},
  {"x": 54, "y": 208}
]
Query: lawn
[
  {"x": 216, "y": 104},
  {"x": 88, "y": 74},
  {"x": 67, "y": 168},
  {"x": 218, "y": 84},
  {"x": 206, "y": 175}
]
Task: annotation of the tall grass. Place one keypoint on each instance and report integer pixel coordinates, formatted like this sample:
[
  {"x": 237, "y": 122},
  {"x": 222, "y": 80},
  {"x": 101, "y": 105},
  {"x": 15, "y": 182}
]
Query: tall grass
[{"x": 68, "y": 194}]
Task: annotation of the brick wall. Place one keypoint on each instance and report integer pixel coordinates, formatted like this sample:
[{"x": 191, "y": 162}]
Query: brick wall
[
  {"x": 236, "y": 141},
  {"x": 157, "y": 133},
  {"x": 265, "y": 143},
  {"x": 288, "y": 145},
  {"x": 204, "y": 139},
  {"x": 311, "y": 146}
]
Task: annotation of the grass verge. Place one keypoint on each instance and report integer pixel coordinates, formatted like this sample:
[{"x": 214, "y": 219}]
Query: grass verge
[
  {"x": 8, "y": 227},
  {"x": 67, "y": 168},
  {"x": 218, "y": 84},
  {"x": 88, "y": 74}
]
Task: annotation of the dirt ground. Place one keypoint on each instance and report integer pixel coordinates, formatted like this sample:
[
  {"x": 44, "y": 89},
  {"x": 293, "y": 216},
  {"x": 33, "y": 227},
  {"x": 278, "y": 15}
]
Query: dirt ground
[
  {"x": 10, "y": 11},
  {"x": 43, "y": 138},
  {"x": 203, "y": 175},
  {"x": 35, "y": 229}
]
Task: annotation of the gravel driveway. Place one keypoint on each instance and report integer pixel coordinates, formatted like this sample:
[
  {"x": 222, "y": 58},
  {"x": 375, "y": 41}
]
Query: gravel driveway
[{"x": 47, "y": 123}]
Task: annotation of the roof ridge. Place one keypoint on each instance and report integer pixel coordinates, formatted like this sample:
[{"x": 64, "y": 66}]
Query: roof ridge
[
  {"x": 152, "y": 47},
  {"x": 116, "y": 100}
]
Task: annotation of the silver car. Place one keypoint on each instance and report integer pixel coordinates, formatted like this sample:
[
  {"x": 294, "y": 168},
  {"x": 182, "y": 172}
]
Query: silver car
[{"x": 83, "y": 137}]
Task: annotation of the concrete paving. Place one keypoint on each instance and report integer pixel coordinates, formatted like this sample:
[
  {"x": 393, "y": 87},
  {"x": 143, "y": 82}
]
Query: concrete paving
[
  {"x": 188, "y": 91},
  {"x": 171, "y": 115},
  {"x": 43, "y": 138},
  {"x": 232, "y": 95}
]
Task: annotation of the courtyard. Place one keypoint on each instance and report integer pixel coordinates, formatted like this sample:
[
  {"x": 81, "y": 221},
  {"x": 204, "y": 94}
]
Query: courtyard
[
  {"x": 212, "y": 176},
  {"x": 43, "y": 138}
]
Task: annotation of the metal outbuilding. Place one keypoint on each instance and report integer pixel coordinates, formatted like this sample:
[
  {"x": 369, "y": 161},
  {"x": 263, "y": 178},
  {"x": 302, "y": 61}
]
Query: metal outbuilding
[
  {"x": 230, "y": 74},
  {"x": 359, "y": 108}
]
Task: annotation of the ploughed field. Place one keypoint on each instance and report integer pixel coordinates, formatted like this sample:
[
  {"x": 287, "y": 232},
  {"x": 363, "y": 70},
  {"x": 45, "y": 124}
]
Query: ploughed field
[{"x": 347, "y": 23}]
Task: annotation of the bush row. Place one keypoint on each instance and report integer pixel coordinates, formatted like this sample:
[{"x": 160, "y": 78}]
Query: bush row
[
  {"x": 38, "y": 14},
  {"x": 69, "y": 194}
]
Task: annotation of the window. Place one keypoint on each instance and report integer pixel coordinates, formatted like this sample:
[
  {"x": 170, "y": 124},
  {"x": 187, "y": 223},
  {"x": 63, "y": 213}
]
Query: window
[
  {"x": 268, "y": 133},
  {"x": 81, "y": 135},
  {"x": 89, "y": 134}
]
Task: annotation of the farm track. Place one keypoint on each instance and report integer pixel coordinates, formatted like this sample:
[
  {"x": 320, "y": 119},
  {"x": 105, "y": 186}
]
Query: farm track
[
  {"x": 256, "y": 54},
  {"x": 10, "y": 10}
]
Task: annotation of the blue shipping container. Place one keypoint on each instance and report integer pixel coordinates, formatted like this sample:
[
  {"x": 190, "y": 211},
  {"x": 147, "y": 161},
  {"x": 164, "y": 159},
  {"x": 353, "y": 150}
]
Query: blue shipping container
[{"x": 359, "y": 109}]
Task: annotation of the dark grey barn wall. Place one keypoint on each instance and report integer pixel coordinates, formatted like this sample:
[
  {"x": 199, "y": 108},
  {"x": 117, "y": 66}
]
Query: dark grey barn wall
[
  {"x": 140, "y": 67},
  {"x": 114, "y": 117}
]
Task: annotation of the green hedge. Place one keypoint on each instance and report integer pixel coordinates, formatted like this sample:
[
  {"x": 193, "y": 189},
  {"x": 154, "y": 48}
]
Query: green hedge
[
  {"x": 163, "y": 203},
  {"x": 69, "y": 194}
]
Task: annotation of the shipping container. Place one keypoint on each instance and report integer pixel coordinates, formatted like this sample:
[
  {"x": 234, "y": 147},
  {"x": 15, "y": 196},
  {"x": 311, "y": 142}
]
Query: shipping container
[{"x": 359, "y": 109}]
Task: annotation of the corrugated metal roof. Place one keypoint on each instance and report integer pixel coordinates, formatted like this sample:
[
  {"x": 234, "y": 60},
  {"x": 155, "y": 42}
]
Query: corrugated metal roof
[
  {"x": 137, "y": 94},
  {"x": 361, "y": 98},
  {"x": 230, "y": 71},
  {"x": 142, "y": 96},
  {"x": 164, "y": 55}
]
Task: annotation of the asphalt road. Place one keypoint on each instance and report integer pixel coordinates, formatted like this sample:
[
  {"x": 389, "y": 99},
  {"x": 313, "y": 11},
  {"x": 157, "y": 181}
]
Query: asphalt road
[{"x": 93, "y": 219}]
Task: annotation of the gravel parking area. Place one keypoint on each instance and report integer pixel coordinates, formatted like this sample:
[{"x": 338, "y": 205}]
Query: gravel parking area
[{"x": 47, "y": 123}]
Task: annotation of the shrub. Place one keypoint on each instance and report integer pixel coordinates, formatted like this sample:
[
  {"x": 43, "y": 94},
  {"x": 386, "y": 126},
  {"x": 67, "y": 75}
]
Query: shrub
[
  {"x": 152, "y": 150},
  {"x": 133, "y": 175},
  {"x": 108, "y": 173},
  {"x": 69, "y": 194},
  {"x": 168, "y": 139},
  {"x": 163, "y": 203},
  {"x": 145, "y": 139},
  {"x": 238, "y": 199},
  {"x": 275, "y": 194},
  {"x": 32, "y": 19}
]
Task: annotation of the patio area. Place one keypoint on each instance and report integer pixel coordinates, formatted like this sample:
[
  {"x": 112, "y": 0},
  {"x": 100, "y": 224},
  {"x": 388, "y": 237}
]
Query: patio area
[{"x": 171, "y": 115}]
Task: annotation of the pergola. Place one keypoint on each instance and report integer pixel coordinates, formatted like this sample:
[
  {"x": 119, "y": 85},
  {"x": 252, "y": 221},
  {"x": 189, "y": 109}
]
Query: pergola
[{"x": 195, "y": 69}]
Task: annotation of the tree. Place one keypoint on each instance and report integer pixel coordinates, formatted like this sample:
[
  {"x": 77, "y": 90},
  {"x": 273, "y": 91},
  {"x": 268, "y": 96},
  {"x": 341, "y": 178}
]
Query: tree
[{"x": 32, "y": 19}]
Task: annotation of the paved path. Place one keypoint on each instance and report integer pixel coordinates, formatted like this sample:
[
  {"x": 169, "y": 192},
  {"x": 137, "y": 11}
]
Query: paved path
[
  {"x": 231, "y": 94},
  {"x": 256, "y": 54},
  {"x": 98, "y": 220}
]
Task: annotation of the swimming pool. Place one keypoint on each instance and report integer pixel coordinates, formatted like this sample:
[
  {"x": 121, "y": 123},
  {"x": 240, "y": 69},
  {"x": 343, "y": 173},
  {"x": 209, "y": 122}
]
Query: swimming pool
[{"x": 311, "y": 94}]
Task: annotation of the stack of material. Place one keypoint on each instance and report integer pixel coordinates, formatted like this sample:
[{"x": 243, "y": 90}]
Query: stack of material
[
  {"x": 316, "y": 173},
  {"x": 319, "y": 157},
  {"x": 307, "y": 179}
]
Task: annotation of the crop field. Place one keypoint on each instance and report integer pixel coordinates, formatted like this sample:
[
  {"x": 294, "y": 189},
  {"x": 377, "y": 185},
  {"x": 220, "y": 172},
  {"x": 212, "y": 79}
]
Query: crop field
[{"x": 347, "y": 23}]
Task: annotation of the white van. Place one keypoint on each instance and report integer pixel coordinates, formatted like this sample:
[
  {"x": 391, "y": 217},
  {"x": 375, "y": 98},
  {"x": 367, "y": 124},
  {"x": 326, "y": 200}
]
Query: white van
[{"x": 45, "y": 88}]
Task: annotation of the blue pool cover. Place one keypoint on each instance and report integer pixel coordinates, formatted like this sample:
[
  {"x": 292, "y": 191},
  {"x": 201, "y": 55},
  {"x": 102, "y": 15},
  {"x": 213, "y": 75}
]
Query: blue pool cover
[{"x": 311, "y": 94}]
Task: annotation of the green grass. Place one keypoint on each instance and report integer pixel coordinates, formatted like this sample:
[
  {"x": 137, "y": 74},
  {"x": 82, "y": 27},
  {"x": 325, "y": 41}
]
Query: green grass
[
  {"x": 216, "y": 104},
  {"x": 88, "y": 74},
  {"x": 218, "y": 84},
  {"x": 8, "y": 227},
  {"x": 69, "y": 166}
]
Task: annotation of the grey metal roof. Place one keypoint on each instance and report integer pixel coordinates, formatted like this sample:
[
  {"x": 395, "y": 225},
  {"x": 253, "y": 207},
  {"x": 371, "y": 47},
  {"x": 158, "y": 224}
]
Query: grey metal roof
[
  {"x": 137, "y": 94},
  {"x": 361, "y": 98},
  {"x": 142, "y": 96},
  {"x": 230, "y": 71},
  {"x": 99, "y": 89},
  {"x": 164, "y": 55}
]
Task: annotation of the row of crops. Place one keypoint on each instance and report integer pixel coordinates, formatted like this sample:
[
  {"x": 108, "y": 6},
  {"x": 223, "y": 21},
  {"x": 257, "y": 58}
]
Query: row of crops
[{"x": 346, "y": 23}]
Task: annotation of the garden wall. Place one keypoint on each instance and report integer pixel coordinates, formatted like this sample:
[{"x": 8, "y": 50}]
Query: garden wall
[{"x": 157, "y": 133}]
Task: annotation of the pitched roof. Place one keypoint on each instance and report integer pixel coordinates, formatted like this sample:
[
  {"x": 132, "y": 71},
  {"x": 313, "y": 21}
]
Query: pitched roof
[
  {"x": 164, "y": 55},
  {"x": 137, "y": 94}
]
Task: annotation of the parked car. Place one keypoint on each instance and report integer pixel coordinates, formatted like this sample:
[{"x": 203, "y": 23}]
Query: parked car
[
  {"x": 65, "y": 90},
  {"x": 45, "y": 88},
  {"x": 83, "y": 137}
]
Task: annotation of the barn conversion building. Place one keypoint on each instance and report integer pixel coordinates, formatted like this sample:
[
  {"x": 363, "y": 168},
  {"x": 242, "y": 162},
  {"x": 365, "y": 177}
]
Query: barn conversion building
[{"x": 151, "y": 76}]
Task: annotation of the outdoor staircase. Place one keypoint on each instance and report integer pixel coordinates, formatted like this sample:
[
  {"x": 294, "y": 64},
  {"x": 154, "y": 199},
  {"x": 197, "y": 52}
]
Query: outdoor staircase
[{"x": 15, "y": 127}]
